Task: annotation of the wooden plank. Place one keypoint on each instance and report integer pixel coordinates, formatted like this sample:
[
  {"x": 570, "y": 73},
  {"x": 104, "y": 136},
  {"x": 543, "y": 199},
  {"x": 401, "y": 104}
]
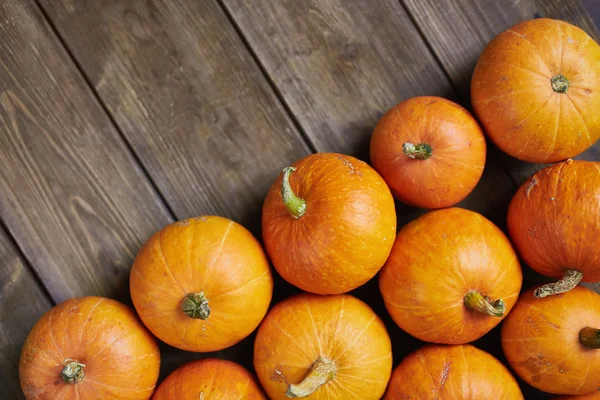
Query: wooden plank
[
  {"x": 22, "y": 302},
  {"x": 71, "y": 193},
  {"x": 458, "y": 30},
  {"x": 189, "y": 98}
]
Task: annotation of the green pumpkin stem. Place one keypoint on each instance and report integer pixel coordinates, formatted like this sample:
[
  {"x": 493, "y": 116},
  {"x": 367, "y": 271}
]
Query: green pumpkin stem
[
  {"x": 322, "y": 371},
  {"x": 421, "y": 151},
  {"x": 559, "y": 83},
  {"x": 590, "y": 337},
  {"x": 475, "y": 301},
  {"x": 195, "y": 305},
  {"x": 72, "y": 371},
  {"x": 569, "y": 280},
  {"x": 294, "y": 204}
]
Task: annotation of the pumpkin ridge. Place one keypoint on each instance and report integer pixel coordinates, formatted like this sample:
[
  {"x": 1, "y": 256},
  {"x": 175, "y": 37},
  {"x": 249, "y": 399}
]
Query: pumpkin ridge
[
  {"x": 562, "y": 46},
  {"x": 167, "y": 267},
  {"x": 357, "y": 337},
  {"x": 86, "y": 322},
  {"x": 535, "y": 110},
  {"x": 558, "y": 114},
  {"x": 312, "y": 319},
  {"x": 579, "y": 114},
  {"x": 210, "y": 268},
  {"x": 51, "y": 334},
  {"x": 518, "y": 67},
  {"x": 537, "y": 51}
]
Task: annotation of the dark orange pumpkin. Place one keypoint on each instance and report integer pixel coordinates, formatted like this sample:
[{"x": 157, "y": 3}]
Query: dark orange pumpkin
[
  {"x": 553, "y": 220},
  {"x": 536, "y": 90},
  {"x": 554, "y": 343},
  {"x": 430, "y": 151},
  {"x": 323, "y": 348},
  {"x": 591, "y": 396},
  {"x": 208, "y": 379},
  {"x": 89, "y": 348},
  {"x": 451, "y": 277},
  {"x": 202, "y": 284},
  {"x": 329, "y": 226},
  {"x": 451, "y": 373}
]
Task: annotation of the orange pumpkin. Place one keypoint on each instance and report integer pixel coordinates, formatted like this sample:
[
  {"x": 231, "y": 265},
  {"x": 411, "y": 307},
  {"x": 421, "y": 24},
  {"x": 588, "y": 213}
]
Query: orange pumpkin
[
  {"x": 329, "y": 226},
  {"x": 323, "y": 347},
  {"x": 553, "y": 220},
  {"x": 452, "y": 372},
  {"x": 207, "y": 379},
  {"x": 536, "y": 90},
  {"x": 89, "y": 348},
  {"x": 591, "y": 396},
  {"x": 430, "y": 151},
  {"x": 554, "y": 343},
  {"x": 202, "y": 284},
  {"x": 451, "y": 277}
]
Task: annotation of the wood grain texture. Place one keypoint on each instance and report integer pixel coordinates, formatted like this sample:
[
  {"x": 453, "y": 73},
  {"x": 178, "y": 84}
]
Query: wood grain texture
[
  {"x": 70, "y": 192},
  {"x": 22, "y": 302},
  {"x": 458, "y": 30},
  {"x": 189, "y": 98}
]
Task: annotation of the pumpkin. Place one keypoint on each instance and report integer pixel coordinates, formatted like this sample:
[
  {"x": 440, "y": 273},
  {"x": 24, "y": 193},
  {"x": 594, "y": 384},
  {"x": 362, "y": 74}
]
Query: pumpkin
[
  {"x": 89, "y": 348},
  {"x": 591, "y": 396},
  {"x": 451, "y": 277},
  {"x": 328, "y": 223},
  {"x": 553, "y": 220},
  {"x": 324, "y": 347},
  {"x": 450, "y": 373},
  {"x": 207, "y": 379},
  {"x": 202, "y": 284},
  {"x": 536, "y": 90},
  {"x": 430, "y": 151},
  {"x": 553, "y": 343}
]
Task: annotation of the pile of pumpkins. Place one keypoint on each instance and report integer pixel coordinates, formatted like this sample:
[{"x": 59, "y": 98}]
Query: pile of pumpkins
[{"x": 329, "y": 226}]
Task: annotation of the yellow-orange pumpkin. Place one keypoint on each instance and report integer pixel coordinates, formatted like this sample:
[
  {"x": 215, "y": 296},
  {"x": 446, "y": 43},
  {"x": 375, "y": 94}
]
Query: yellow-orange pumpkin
[{"x": 202, "y": 284}]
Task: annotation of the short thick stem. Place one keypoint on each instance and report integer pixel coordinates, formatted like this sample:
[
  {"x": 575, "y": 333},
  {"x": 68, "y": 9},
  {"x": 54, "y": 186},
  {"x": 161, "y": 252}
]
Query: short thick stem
[
  {"x": 195, "y": 305},
  {"x": 420, "y": 151},
  {"x": 295, "y": 205},
  {"x": 321, "y": 372},
  {"x": 569, "y": 280},
  {"x": 590, "y": 337},
  {"x": 72, "y": 371},
  {"x": 475, "y": 301},
  {"x": 559, "y": 83}
]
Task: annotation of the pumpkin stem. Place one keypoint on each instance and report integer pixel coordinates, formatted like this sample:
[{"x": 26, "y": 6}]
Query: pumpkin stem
[
  {"x": 195, "y": 305},
  {"x": 321, "y": 372},
  {"x": 72, "y": 371},
  {"x": 569, "y": 280},
  {"x": 560, "y": 84},
  {"x": 294, "y": 204},
  {"x": 475, "y": 301},
  {"x": 420, "y": 152},
  {"x": 590, "y": 337}
]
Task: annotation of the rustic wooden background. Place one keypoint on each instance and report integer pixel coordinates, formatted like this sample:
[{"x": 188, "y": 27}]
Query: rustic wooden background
[{"x": 118, "y": 117}]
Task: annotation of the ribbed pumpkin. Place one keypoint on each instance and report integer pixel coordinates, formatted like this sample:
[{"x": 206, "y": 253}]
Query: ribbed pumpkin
[
  {"x": 553, "y": 221},
  {"x": 329, "y": 223},
  {"x": 202, "y": 284},
  {"x": 89, "y": 348},
  {"x": 430, "y": 151},
  {"x": 536, "y": 90},
  {"x": 451, "y": 277},
  {"x": 554, "y": 343},
  {"x": 323, "y": 348}
]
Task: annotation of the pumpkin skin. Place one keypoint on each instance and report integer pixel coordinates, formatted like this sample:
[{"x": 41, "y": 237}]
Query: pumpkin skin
[
  {"x": 121, "y": 357},
  {"x": 452, "y": 372},
  {"x": 438, "y": 262},
  {"x": 208, "y": 379},
  {"x": 513, "y": 96},
  {"x": 346, "y": 232},
  {"x": 457, "y": 151},
  {"x": 553, "y": 221},
  {"x": 591, "y": 396},
  {"x": 306, "y": 327},
  {"x": 540, "y": 339},
  {"x": 210, "y": 258}
]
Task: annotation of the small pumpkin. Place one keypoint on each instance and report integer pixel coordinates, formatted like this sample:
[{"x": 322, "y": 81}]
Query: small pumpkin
[
  {"x": 591, "y": 396},
  {"x": 207, "y": 379},
  {"x": 536, "y": 90},
  {"x": 451, "y": 277},
  {"x": 328, "y": 223},
  {"x": 554, "y": 343},
  {"x": 202, "y": 284},
  {"x": 89, "y": 348},
  {"x": 430, "y": 151},
  {"x": 450, "y": 373},
  {"x": 553, "y": 220},
  {"x": 324, "y": 347}
]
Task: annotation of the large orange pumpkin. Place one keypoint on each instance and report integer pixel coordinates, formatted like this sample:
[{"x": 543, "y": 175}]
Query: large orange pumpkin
[
  {"x": 323, "y": 347},
  {"x": 553, "y": 220},
  {"x": 554, "y": 343},
  {"x": 89, "y": 348},
  {"x": 430, "y": 151},
  {"x": 451, "y": 277},
  {"x": 450, "y": 373},
  {"x": 329, "y": 226},
  {"x": 208, "y": 379},
  {"x": 202, "y": 284},
  {"x": 536, "y": 90}
]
